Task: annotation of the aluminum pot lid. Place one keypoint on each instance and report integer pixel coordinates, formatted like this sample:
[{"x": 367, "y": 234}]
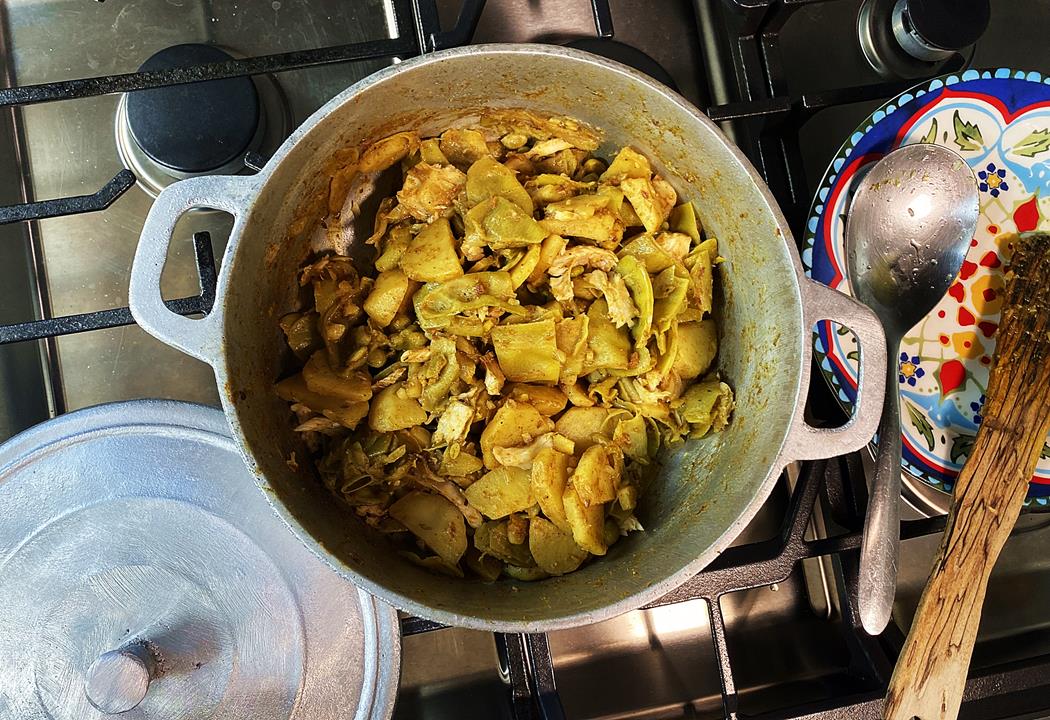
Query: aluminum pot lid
[{"x": 142, "y": 572}]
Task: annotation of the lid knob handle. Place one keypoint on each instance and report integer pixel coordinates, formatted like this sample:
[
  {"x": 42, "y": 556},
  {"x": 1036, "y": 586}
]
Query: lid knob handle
[{"x": 118, "y": 680}]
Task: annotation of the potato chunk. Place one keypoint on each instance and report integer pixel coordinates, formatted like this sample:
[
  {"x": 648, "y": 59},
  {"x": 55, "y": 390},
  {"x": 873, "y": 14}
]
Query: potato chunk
[
  {"x": 548, "y": 400},
  {"x": 585, "y": 426},
  {"x": 390, "y": 294},
  {"x": 553, "y": 549},
  {"x": 392, "y": 410},
  {"x": 550, "y": 473},
  {"x": 513, "y": 424},
  {"x": 527, "y": 352},
  {"x": 435, "y": 521},
  {"x": 431, "y": 254},
  {"x": 595, "y": 479},
  {"x": 697, "y": 347},
  {"x": 586, "y": 521},
  {"x": 502, "y": 491}
]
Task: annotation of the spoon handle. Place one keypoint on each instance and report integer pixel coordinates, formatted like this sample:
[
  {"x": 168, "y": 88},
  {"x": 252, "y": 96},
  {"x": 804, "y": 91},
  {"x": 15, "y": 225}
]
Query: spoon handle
[{"x": 880, "y": 548}]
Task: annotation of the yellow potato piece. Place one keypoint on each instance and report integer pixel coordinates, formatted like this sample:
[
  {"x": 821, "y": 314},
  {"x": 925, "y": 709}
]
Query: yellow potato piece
[
  {"x": 394, "y": 244},
  {"x": 696, "y": 348},
  {"x": 546, "y": 399},
  {"x": 500, "y": 492},
  {"x": 392, "y": 410},
  {"x": 320, "y": 379},
  {"x": 550, "y": 473},
  {"x": 463, "y": 146},
  {"x": 553, "y": 549},
  {"x": 594, "y": 478},
  {"x": 491, "y": 539},
  {"x": 384, "y": 153},
  {"x": 586, "y": 522},
  {"x": 347, "y": 414},
  {"x": 390, "y": 294},
  {"x": 430, "y": 152},
  {"x": 435, "y": 521},
  {"x": 585, "y": 426},
  {"x": 431, "y": 255},
  {"x": 514, "y": 424},
  {"x": 527, "y": 352}
]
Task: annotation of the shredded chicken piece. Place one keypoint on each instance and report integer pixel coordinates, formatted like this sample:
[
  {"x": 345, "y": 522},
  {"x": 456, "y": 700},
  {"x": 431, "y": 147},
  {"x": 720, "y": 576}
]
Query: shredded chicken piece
[
  {"x": 392, "y": 377},
  {"x": 522, "y": 457},
  {"x": 416, "y": 356},
  {"x": 453, "y": 425},
  {"x": 426, "y": 478},
  {"x": 430, "y": 189},
  {"x": 621, "y": 308},
  {"x": 579, "y": 256},
  {"x": 318, "y": 424},
  {"x": 494, "y": 377},
  {"x": 546, "y": 148}
]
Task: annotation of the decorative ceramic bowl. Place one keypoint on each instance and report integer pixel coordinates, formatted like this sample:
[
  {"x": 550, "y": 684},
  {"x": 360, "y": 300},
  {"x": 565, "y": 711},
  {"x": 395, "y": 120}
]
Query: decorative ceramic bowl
[{"x": 999, "y": 122}]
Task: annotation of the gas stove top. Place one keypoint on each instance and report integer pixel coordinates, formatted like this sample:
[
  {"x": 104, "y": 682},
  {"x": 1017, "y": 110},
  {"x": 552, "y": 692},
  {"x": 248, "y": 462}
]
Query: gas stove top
[{"x": 770, "y": 630}]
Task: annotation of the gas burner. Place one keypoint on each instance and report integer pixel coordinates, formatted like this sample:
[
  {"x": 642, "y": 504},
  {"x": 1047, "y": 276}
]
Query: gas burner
[
  {"x": 625, "y": 54},
  {"x": 916, "y": 38},
  {"x": 171, "y": 133}
]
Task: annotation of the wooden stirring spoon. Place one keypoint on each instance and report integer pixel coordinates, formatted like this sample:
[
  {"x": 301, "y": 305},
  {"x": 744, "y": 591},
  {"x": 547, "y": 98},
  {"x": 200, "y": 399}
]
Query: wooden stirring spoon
[{"x": 931, "y": 671}]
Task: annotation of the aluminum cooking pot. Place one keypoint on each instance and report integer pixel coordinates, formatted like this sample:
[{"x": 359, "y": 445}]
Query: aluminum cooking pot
[{"x": 704, "y": 492}]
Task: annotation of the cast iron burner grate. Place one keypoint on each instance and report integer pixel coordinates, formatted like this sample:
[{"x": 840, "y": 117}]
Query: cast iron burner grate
[{"x": 770, "y": 121}]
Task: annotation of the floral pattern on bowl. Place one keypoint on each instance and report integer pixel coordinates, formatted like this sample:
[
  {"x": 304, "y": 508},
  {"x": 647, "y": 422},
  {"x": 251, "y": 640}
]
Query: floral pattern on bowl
[{"x": 999, "y": 122}]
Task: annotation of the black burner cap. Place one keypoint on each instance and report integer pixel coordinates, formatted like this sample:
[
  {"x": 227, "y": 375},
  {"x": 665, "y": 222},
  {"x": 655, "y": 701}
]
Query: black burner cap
[
  {"x": 627, "y": 55},
  {"x": 198, "y": 127},
  {"x": 950, "y": 24}
]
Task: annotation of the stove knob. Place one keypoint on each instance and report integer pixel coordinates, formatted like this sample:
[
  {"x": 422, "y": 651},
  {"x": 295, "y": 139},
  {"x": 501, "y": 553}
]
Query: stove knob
[
  {"x": 118, "y": 680},
  {"x": 933, "y": 30}
]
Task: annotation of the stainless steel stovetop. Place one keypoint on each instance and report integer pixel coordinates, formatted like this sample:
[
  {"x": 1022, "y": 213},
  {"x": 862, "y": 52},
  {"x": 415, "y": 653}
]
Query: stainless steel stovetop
[{"x": 789, "y": 645}]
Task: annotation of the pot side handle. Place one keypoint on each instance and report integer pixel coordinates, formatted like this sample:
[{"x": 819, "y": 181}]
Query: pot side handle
[
  {"x": 805, "y": 442},
  {"x": 199, "y": 338}
]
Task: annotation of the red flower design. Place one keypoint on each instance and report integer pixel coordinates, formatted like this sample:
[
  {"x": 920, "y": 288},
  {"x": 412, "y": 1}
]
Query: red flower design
[
  {"x": 951, "y": 375},
  {"x": 1026, "y": 216}
]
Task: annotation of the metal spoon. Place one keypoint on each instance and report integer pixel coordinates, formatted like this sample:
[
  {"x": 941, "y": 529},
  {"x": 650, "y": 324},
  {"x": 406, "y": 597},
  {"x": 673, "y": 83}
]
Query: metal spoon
[{"x": 908, "y": 229}]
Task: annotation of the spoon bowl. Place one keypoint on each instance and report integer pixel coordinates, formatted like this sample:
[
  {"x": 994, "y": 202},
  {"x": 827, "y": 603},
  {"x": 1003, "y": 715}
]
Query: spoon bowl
[{"x": 908, "y": 229}]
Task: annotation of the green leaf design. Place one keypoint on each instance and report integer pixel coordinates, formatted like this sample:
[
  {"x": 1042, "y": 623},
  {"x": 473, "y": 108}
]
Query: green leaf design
[
  {"x": 961, "y": 447},
  {"x": 1045, "y": 455},
  {"x": 931, "y": 136},
  {"x": 853, "y": 355},
  {"x": 842, "y": 330},
  {"x": 967, "y": 135},
  {"x": 920, "y": 423},
  {"x": 1037, "y": 141}
]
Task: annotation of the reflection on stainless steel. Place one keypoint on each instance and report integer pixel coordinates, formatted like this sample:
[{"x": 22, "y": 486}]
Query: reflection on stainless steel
[
  {"x": 171, "y": 569},
  {"x": 72, "y": 150}
]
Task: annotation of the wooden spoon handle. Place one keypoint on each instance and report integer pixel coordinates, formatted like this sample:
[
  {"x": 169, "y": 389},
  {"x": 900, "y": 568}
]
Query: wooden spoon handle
[{"x": 930, "y": 675}]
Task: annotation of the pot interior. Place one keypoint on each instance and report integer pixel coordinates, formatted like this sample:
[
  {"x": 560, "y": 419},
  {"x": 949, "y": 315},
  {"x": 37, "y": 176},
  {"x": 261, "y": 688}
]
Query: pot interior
[{"x": 703, "y": 492}]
